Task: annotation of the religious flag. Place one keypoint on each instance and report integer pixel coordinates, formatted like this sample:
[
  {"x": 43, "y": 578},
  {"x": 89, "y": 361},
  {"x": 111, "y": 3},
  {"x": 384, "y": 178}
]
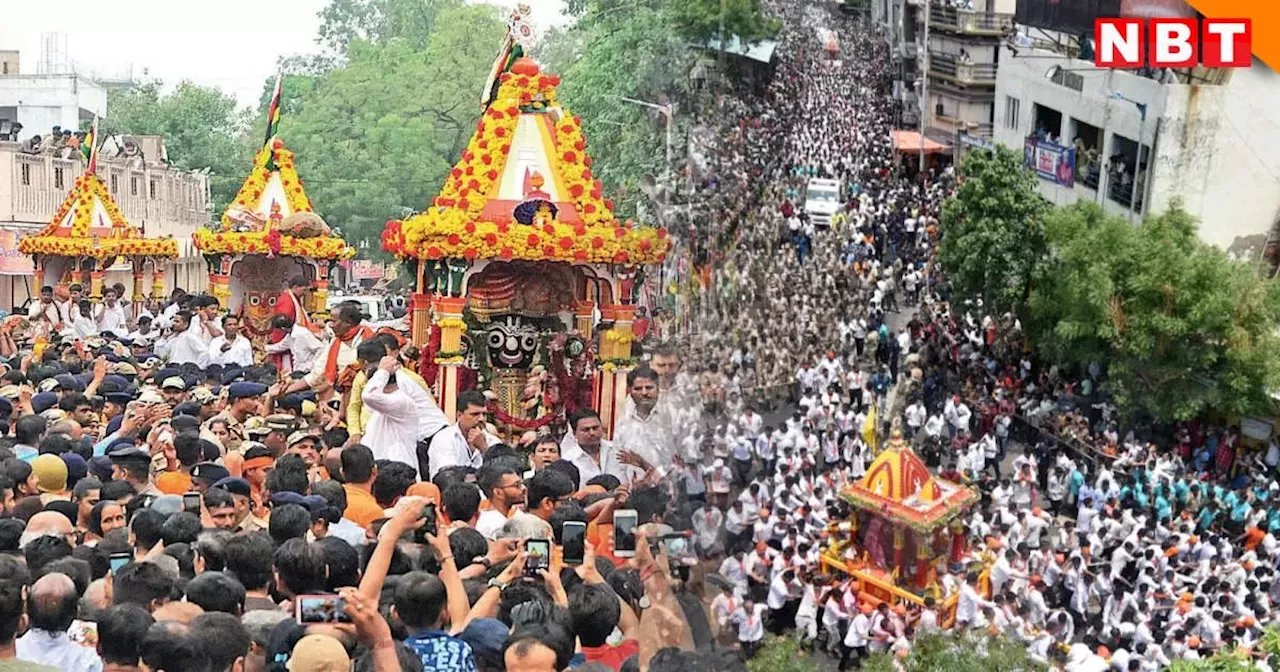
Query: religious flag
[
  {"x": 90, "y": 146},
  {"x": 869, "y": 428},
  {"x": 273, "y": 110}
]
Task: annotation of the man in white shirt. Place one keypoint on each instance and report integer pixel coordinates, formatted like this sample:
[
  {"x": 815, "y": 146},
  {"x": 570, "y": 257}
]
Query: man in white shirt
[
  {"x": 392, "y": 432},
  {"x": 750, "y": 621},
  {"x": 916, "y": 415},
  {"x": 184, "y": 345},
  {"x": 205, "y": 318},
  {"x": 462, "y": 443},
  {"x": 645, "y": 429},
  {"x": 231, "y": 348},
  {"x": 706, "y": 530},
  {"x": 301, "y": 345},
  {"x": 505, "y": 488},
  {"x": 110, "y": 315},
  {"x": 593, "y": 455}
]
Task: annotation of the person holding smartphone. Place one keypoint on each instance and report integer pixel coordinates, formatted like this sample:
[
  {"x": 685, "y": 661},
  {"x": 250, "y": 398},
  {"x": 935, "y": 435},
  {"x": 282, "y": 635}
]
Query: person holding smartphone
[{"x": 434, "y": 608}]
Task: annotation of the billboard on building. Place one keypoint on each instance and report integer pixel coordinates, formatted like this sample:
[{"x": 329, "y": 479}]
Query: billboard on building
[
  {"x": 1050, "y": 161},
  {"x": 363, "y": 269},
  {"x": 1157, "y": 9},
  {"x": 1074, "y": 17},
  {"x": 13, "y": 262}
]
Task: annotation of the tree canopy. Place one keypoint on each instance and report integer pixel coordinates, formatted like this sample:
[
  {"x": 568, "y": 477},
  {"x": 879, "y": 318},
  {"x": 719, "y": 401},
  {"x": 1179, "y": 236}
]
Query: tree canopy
[
  {"x": 993, "y": 227},
  {"x": 1179, "y": 328},
  {"x": 967, "y": 653},
  {"x": 201, "y": 125}
]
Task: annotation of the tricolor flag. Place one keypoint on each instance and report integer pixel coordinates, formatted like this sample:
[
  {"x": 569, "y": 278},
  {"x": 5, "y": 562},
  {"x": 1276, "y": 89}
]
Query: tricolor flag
[
  {"x": 273, "y": 122},
  {"x": 90, "y": 147},
  {"x": 273, "y": 110}
]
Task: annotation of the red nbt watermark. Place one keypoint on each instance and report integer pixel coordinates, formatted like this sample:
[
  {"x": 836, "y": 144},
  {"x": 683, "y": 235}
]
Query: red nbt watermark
[{"x": 1172, "y": 43}]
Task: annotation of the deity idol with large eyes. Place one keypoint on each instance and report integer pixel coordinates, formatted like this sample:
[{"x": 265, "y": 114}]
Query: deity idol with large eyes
[
  {"x": 512, "y": 343},
  {"x": 258, "y": 309}
]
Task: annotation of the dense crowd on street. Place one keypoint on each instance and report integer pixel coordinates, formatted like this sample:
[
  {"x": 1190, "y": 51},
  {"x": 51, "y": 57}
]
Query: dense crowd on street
[{"x": 178, "y": 498}]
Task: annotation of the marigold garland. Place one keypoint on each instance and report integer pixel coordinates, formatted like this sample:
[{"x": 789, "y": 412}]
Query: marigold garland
[
  {"x": 100, "y": 248},
  {"x": 451, "y": 227},
  {"x": 257, "y": 242}
]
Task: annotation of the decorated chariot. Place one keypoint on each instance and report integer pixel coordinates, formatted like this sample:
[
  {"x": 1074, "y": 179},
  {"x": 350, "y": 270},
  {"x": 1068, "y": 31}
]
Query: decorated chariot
[
  {"x": 526, "y": 280},
  {"x": 268, "y": 235},
  {"x": 89, "y": 235},
  {"x": 905, "y": 523}
]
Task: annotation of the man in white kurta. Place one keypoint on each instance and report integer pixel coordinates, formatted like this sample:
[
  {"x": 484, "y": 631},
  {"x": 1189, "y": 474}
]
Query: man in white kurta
[
  {"x": 392, "y": 433},
  {"x": 231, "y": 348},
  {"x": 110, "y": 314}
]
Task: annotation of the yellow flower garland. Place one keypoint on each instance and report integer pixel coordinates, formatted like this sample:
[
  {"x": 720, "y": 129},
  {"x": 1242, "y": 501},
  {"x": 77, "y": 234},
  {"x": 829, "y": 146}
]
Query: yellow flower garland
[{"x": 255, "y": 242}]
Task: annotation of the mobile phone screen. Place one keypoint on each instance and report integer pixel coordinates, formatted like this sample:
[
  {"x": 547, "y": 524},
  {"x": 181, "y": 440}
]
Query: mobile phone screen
[
  {"x": 624, "y": 532},
  {"x": 574, "y": 537},
  {"x": 321, "y": 609},
  {"x": 119, "y": 560},
  {"x": 539, "y": 557},
  {"x": 676, "y": 545}
]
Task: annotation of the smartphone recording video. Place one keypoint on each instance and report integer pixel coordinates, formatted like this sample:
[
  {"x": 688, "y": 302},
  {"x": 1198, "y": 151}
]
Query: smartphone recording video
[
  {"x": 624, "y": 532},
  {"x": 538, "y": 557},
  {"x": 320, "y": 609},
  {"x": 573, "y": 539}
]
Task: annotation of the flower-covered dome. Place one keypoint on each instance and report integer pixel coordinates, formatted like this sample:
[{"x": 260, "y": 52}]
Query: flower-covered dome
[
  {"x": 271, "y": 214},
  {"x": 524, "y": 189},
  {"x": 898, "y": 485},
  {"x": 90, "y": 224}
]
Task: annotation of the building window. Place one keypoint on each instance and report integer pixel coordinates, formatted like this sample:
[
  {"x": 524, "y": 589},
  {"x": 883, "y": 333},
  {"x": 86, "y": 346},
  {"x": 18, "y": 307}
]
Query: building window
[
  {"x": 26, "y": 174},
  {"x": 1011, "y": 111},
  {"x": 1087, "y": 140},
  {"x": 57, "y": 178},
  {"x": 154, "y": 188},
  {"x": 133, "y": 186},
  {"x": 115, "y": 184},
  {"x": 1046, "y": 123}
]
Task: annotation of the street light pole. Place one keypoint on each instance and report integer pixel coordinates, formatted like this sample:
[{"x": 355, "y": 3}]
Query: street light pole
[
  {"x": 924, "y": 84},
  {"x": 1137, "y": 152},
  {"x": 668, "y": 111}
]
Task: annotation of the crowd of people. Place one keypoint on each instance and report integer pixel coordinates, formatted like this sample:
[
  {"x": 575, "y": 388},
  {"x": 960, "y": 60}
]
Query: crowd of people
[{"x": 175, "y": 498}]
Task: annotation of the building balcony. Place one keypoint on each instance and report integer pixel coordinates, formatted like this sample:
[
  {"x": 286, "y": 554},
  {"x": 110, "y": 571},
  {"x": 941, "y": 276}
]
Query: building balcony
[
  {"x": 969, "y": 21},
  {"x": 952, "y": 125},
  {"x": 973, "y": 94},
  {"x": 156, "y": 198},
  {"x": 960, "y": 71}
]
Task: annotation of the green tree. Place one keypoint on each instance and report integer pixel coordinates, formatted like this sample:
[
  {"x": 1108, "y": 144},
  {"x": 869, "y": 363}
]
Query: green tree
[
  {"x": 379, "y": 21},
  {"x": 1181, "y": 329},
  {"x": 202, "y": 127},
  {"x": 993, "y": 230},
  {"x": 701, "y": 20},
  {"x": 613, "y": 51},
  {"x": 966, "y": 653}
]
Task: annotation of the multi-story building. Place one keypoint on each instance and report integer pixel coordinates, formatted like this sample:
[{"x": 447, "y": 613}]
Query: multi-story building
[
  {"x": 155, "y": 197},
  {"x": 1134, "y": 141},
  {"x": 960, "y": 61},
  {"x": 40, "y": 101}
]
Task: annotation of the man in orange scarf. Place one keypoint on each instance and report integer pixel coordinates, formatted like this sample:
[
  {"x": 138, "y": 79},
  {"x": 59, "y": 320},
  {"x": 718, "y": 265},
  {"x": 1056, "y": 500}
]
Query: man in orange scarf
[
  {"x": 349, "y": 333},
  {"x": 291, "y": 305}
]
